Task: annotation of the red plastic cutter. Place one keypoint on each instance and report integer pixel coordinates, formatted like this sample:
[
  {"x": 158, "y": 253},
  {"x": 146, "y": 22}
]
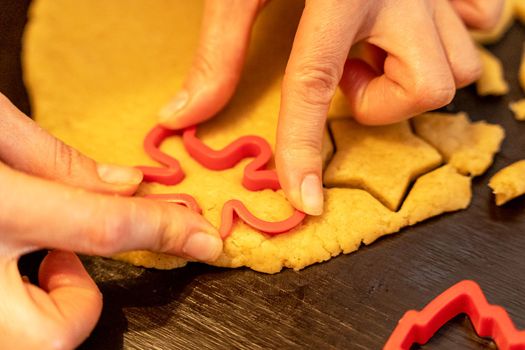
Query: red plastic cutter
[
  {"x": 256, "y": 177},
  {"x": 464, "y": 297}
]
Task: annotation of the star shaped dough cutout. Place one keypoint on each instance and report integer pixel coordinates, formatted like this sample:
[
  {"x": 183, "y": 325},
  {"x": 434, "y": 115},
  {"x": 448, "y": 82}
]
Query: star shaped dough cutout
[
  {"x": 382, "y": 160},
  {"x": 97, "y": 78}
]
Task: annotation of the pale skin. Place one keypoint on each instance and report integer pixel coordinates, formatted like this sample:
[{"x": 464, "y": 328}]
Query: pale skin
[
  {"x": 419, "y": 53},
  {"x": 54, "y": 197}
]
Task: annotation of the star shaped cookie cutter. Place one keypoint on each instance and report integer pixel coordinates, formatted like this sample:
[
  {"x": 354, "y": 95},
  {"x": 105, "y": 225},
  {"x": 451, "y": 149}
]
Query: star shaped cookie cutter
[
  {"x": 256, "y": 177},
  {"x": 464, "y": 297}
]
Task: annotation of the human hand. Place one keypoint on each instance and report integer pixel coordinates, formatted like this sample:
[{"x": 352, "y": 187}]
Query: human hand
[
  {"x": 55, "y": 197},
  {"x": 418, "y": 53}
]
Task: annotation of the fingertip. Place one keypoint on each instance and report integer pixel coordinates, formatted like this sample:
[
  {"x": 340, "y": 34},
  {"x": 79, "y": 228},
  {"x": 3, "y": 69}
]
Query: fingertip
[
  {"x": 312, "y": 195},
  {"x": 203, "y": 246},
  {"x": 119, "y": 175},
  {"x": 63, "y": 269},
  {"x": 168, "y": 115},
  {"x": 202, "y": 103},
  {"x": 301, "y": 181},
  {"x": 122, "y": 180}
]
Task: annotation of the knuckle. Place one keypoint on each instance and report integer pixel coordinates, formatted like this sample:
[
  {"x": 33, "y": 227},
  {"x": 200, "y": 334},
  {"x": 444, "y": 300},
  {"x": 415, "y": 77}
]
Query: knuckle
[
  {"x": 202, "y": 64},
  {"x": 64, "y": 158},
  {"x": 214, "y": 74},
  {"x": 488, "y": 15},
  {"x": 300, "y": 152},
  {"x": 107, "y": 239},
  {"x": 467, "y": 74},
  {"x": 432, "y": 94},
  {"x": 315, "y": 84}
]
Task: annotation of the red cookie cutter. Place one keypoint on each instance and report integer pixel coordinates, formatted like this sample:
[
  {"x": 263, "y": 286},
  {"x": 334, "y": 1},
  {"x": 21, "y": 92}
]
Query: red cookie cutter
[
  {"x": 255, "y": 176},
  {"x": 464, "y": 297}
]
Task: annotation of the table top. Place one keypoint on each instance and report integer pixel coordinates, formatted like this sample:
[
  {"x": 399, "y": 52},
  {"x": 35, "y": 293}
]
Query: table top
[{"x": 353, "y": 301}]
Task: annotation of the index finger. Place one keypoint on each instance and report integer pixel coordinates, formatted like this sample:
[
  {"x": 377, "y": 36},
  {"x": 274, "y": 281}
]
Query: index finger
[{"x": 321, "y": 45}]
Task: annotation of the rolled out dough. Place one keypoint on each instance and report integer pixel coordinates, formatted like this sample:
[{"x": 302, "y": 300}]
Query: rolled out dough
[{"x": 98, "y": 71}]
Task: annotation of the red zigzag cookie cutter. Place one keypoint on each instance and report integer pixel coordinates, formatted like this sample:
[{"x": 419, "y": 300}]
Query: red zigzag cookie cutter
[
  {"x": 464, "y": 297},
  {"x": 255, "y": 177}
]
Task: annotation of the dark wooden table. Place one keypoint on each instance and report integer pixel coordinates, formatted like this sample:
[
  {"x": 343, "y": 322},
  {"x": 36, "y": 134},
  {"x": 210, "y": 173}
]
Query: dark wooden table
[{"x": 351, "y": 302}]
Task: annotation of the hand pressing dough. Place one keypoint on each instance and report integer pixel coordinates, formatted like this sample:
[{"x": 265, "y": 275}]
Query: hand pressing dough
[
  {"x": 492, "y": 80},
  {"x": 98, "y": 71},
  {"x": 494, "y": 35},
  {"x": 468, "y": 146},
  {"x": 509, "y": 182},
  {"x": 382, "y": 160}
]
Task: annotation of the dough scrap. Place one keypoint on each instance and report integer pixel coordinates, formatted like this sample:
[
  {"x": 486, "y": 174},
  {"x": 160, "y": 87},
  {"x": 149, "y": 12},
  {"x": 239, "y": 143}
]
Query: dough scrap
[
  {"x": 509, "y": 182},
  {"x": 380, "y": 159},
  {"x": 518, "y": 108},
  {"x": 495, "y": 34},
  {"x": 519, "y": 10},
  {"x": 97, "y": 78},
  {"x": 492, "y": 80},
  {"x": 468, "y": 146}
]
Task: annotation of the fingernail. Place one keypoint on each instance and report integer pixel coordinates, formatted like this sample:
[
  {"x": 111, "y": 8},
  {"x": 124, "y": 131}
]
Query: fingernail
[
  {"x": 167, "y": 113},
  {"x": 203, "y": 247},
  {"x": 26, "y": 279},
  {"x": 312, "y": 195},
  {"x": 119, "y": 175}
]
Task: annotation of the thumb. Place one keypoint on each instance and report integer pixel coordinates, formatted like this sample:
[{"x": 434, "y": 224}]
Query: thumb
[
  {"x": 59, "y": 314},
  {"x": 217, "y": 66},
  {"x": 29, "y": 148},
  {"x": 73, "y": 293}
]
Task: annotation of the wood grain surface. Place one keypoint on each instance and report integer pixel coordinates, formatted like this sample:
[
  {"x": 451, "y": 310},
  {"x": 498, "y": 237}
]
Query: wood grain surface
[{"x": 351, "y": 302}]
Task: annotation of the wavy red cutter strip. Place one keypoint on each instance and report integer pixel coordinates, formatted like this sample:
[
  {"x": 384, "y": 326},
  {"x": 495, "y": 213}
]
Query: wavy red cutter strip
[
  {"x": 491, "y": 321},
  {"x": 256, "y": 177}
]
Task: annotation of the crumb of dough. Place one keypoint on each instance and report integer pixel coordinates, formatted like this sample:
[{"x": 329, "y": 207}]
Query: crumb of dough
[
  {"x": 380, "y": 159},
  {"x": 519, "y": 10},
  {"x": 468, "y": 146},
  {"x": 509, "y": 182},
  {"x": 495, "y": 34},
  {"x": 492, "y": 80},
  {"x": 518, "y": 108},
  {"x": 97, "y": 79}
]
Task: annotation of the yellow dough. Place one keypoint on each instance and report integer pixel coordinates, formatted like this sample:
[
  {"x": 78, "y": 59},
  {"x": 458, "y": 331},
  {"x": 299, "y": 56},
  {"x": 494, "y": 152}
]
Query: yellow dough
[
  {"x": 467, "y": 146},
  {"x": 492, "y": 80},
  {"x": 519, "y": 9},
  {"x": 98, "y": 71},
  {"x": 509, "y": 182},
  {"x": 380, "y": 159},
  {"x": 495, "y": 34},
  {"x": 518, "y": 108},
  {"x": 352, "y": 217}
]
